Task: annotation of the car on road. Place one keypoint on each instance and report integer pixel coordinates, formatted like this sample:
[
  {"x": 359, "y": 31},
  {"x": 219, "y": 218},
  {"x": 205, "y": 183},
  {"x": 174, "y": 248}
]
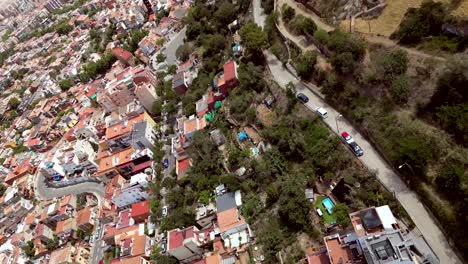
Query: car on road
[
  {"x": 166, "y": 163},
  {"x": 321, "y": 112},
  {"x": 164, "y": 212},
  {"x": 357, "y": 150},
  {"x": 347, "y": 137},
  {"x": 302, "y": 98},
  {"x": 163, "y": 245}
]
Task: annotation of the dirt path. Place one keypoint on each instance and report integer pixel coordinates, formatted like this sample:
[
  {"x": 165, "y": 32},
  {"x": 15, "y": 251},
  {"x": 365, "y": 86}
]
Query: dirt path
[{"x": 386, "y": 42}]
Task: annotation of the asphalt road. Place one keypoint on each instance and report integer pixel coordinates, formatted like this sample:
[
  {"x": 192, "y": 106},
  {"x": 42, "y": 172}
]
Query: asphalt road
[
  {"x": 408, "y": 199},
  {"x": 44, "y": 192}
]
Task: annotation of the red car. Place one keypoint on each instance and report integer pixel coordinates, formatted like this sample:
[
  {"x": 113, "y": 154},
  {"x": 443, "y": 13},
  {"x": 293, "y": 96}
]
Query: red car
[{"x": 347, "y": 137}]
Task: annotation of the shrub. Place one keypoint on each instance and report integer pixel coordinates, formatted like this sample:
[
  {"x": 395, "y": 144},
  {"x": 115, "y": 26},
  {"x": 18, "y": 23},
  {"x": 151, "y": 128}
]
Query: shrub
[
  {"x": 400, "y": 89},
  {"x": 287, "y": 12}
]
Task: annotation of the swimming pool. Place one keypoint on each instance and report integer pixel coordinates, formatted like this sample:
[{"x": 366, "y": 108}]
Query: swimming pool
[{"x": 328, "y": 204}]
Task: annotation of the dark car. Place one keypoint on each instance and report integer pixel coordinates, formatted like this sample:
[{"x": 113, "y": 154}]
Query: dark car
[
  {"x": 356, "y": 149},
  {"x": 166, "y": 163},
  {"x": 302, "y": 97},
  {"x": 163, "y": 246}
]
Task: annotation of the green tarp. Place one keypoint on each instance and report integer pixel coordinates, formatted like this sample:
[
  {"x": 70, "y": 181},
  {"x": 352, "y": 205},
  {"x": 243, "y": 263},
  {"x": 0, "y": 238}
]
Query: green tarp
[
  {"x": 218, "y": 104},
  {"x": 210, "y": 116}
]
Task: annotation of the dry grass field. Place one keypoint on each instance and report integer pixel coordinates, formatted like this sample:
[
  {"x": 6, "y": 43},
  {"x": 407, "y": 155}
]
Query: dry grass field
[
  {"x": 461, "y": 11},
  {"x": 390, "y": 18}
]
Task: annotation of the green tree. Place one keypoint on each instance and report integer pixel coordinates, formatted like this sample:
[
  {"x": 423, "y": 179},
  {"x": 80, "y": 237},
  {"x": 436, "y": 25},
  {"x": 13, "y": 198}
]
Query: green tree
[
  {"x": 160, "y": 57},
  {"x": 13, "y": 103},
  {"x": 341, "y": 42},
  {"x": 29, "y": 249},
  {"x": 341, "y": 212},
  {"x": 287, "y": 12},
  {"x": 183, "y": 52},
  {"x": 213, "y": 44},
  {"x": 321, "y": 36},
  {"x": 66, "y": 84},
  {"x": 172, "y": 69},
  {"x": 400, "y": 89},
  {"x": 225, "y": 14},
  {"x": 53, "y": 244},
  {"x": 253, "y": 37},
  {"x": 305, "y": 64},
  {"x": 251, "y": 77},
  {"x": 2, "y": 188},
  {"x": 343, "y": 62},
  {"x": 449, "y": 179},
  {"x": 391, "y": 64},
  {"x": 421, "y": 22},
  {"x": 157, "y": 107}
]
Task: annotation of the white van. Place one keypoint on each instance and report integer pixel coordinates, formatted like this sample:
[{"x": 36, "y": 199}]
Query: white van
[
  {"x": 321, "y": 112},
  {"x": 319, "y": 212}
]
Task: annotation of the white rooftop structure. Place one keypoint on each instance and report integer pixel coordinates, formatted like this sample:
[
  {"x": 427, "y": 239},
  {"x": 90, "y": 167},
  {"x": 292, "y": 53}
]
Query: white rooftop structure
[{"x": 386, "y": 217}]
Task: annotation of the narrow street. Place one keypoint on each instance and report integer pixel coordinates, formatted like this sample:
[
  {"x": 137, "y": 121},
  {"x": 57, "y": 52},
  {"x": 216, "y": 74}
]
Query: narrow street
[{"x": 408, "y": 199}]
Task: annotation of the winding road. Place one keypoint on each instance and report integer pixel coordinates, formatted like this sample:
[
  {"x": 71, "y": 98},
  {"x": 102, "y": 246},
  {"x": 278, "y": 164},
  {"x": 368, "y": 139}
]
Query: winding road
[
  {"x": 44, "y": 192},
  {"x": 408, "y": 199}
]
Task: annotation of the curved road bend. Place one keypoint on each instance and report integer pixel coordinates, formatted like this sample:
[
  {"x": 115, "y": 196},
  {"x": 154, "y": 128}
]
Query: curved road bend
[
  {"x": 44, "y": 192},
  {"x": 408, "y": 199}
]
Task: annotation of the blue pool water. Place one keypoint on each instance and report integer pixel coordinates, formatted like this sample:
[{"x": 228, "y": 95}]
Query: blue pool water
[{"x": 328, "y": 204}]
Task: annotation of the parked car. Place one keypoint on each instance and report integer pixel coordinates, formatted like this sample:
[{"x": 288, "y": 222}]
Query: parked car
[
  {"x": 302, "y": 98},
  {"x": 166, "y": 163},
  {"x": 164, "y": 212},
  {"x": 347, "y": 137},
  {"x": 321, "y": 112},
  {"x": 163, "y": 247},
  {"x": 356, "y": 149}
]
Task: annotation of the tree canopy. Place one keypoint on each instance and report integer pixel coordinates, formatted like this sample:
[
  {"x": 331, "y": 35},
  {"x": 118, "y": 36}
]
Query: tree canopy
[{"x": 253, "y": 37}]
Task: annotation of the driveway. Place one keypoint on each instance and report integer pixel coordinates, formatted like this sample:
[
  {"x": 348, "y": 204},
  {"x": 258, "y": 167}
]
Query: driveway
[{"x": 408, "y": 199}]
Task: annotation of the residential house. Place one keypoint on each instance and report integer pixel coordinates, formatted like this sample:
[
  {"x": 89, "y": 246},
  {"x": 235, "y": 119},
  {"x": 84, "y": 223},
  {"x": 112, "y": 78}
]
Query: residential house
[
  {"x": 137, "y": 132},
  {"x": 70, "y": 255},
  {"x": 127, "y": 162},
  {"x": 140, "y": 211},
  {"x": 183, "y": 244},
  {"x": 235, "y": 232},
  {"x": 85, "y": 219},
  {"x": 124, "y": 56},
  {"x": 43, "y": 233},
  {"x": 66, "y": 229},
  {"x": 376, "y": 239},
  {"x": 146, "y": 94},
  {"x": 133, "y": 192},
  {"x": 228, "y": 79}
]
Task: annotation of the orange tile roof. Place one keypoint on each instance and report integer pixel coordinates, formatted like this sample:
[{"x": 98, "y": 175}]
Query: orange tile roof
[
  {"x": 65, "y": 225},
  {"x": 133, "y": 260},
  {"x": 123, "y": 127},
  {"x": 337, "y": 252},
  {"x": 83, "y": 216},
  {"x": 111, "y": 231},
  {"x": 30, "y": 218},
  {"x": 138, "y": 245},
  {"x": 229, "y": 219},
  {"x": 190, "y": 126},
  {"x": 213, "y": 259},
  {"x": 61, "y": 255},
  {"x": 118, "y": 158}
]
